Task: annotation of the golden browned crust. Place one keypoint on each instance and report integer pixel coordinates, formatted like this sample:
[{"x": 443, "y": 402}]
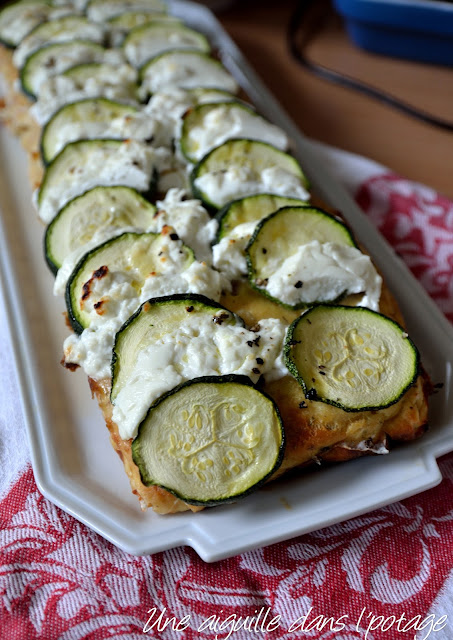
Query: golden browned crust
[
  {"x": 319, "y": 431},
  {"x": 314, "y": 431},
  {"x": 160, "y": 500},
  {"x": 15, "y": 114}
]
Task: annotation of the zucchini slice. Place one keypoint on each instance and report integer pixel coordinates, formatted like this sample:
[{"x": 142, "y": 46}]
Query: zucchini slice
[
  {"x": 85, "y": 119},
  {"x": 315, "y": 277},
  {"x": 138, "y": 254},
  {"x": 156, "y": 318},
  {"x": 351, "y": 357},
  {"x": 243, "y": 167},
  {"x": 211, "y": 440},
  {"x": 251, "y": 209},
  {"x": 102, "y": 10},
  {"x": 172, "y": 339},
  {"x": 210, "y": 125},
  {"x": 19, "y": 18},
  {"x": 184, "y": 69},
  {"x": 298, "y": 257},
  {"x": 89, "y": 80},
  {"x": 120, "y": 26},
  {"x": 54, "y": 59},
  {"x": 149, "y": 40},
  {"x": 94, "y": 212},
  {"x": 85, "y": 164},
  {"x": 103, "y": 76},
  {"x": 63, "y": 29},
  {"x": 202, "y": 95}
]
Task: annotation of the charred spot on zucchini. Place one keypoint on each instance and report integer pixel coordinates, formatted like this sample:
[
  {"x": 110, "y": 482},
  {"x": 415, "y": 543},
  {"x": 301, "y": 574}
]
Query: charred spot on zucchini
[
  {"x": 155, "y": 318},
  {"x": 351, "y": 357},
  {"x": 210, "y": 440},
  {"x": 279, "y": 236},
  {"x": 136, "y": 253},
  {"x": 241, "y": 167},
  {"x": 77, "y": 121},
  {"x": 100, "y": 208},
  {"x": 251, "y": 209}
]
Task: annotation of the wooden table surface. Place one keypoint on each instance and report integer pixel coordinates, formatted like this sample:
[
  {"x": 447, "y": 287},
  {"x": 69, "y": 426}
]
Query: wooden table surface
[{"x": 343, "y": 117}]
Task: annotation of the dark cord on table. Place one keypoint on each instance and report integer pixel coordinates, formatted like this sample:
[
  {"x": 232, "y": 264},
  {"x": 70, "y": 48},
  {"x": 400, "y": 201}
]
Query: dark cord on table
[{"x": 298, "y": 39}]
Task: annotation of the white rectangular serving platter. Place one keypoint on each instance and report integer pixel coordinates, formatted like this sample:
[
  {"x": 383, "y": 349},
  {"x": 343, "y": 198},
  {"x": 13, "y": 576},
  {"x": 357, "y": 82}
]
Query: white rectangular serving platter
[{"x": 73, "y": 462}]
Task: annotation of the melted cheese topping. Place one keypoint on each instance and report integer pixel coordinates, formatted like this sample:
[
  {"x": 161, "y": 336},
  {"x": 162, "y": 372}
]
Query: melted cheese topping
[
  {"x": 322, "y": 273},
  {"x": 110, "y": 81},
  {"x": 197, "y": 348},
  {"x": 121, "y": 298},
  {"x": 130, "y": 163},
  {"x": 240, "y": 181},
  {"x": 231, "y": 121}
]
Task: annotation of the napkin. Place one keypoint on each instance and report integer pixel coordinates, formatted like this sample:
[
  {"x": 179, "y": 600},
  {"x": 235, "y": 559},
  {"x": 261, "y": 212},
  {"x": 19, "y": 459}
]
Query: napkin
[{"x": 386, "y": 575}]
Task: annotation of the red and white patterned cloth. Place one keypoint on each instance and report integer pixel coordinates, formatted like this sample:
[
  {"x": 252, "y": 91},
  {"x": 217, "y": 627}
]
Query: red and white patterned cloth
[{"x": 383, "y": 576}]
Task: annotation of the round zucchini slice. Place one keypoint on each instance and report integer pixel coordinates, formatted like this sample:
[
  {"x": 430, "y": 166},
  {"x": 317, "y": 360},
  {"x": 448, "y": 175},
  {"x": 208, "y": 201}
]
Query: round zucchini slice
[
  {"x": 153, "y": 320},
  {"x": 210, "y": 125},
  {"x": 63, "y": 29},
  {"x": 102, "y": 10},
  {"x": 19, "y": 18},
  {"x": 279, "y": 237},
  {"x": 136, "y": 253},
  {"x": 149, "y": 40},
  {"x": 242, "y": 167},
  {"x": 210, "y": 440},
  {"x": 102, "y": 76},
  {"x": 202, "y": 95},
  {"x": 56, "y": 58},
  {"x": 351, "y": 357},
  {"x": 184, "y": 69},
  {"x": 97, "y": 210},
  {"x": 85, "y": 164},
  {"x": 82, "y": 120},
  {"x": 111, "y": 79},
  {"x": 120, "y": 26},
  {"x": 251, "y": 209}
]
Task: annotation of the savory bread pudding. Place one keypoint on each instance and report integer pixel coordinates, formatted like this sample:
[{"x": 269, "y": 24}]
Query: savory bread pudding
[{"x": 230, "y": 325}]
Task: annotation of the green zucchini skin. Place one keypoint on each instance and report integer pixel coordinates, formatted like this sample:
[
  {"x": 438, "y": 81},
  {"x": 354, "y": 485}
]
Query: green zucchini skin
[
  {"x": 195, "y": 118},
  {"x": 104, "y": 104},
  {"x": 89, "y": 198},
  {"x": 52, "y": 169},
  {"x": 233, "y": 148},
  {"x": 186, "y": 299},
  {"x": 58, "y": 48},
  {"x": 12, "y": 44},
  {"x": 227, "y": 83},
  {"x": 292, "y": 341},
  {"x": 73, "y": 312},
  {"x": 219, "y": 380},
  {"x": 302, "y": 210},
  {"x": 254, "y": 208},
  {"x": 150, "y": 29},
  {"x": 153, "y": 6}
]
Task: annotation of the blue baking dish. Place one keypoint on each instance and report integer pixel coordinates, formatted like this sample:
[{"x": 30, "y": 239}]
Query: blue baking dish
[{"x": 415, "y": 29}]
